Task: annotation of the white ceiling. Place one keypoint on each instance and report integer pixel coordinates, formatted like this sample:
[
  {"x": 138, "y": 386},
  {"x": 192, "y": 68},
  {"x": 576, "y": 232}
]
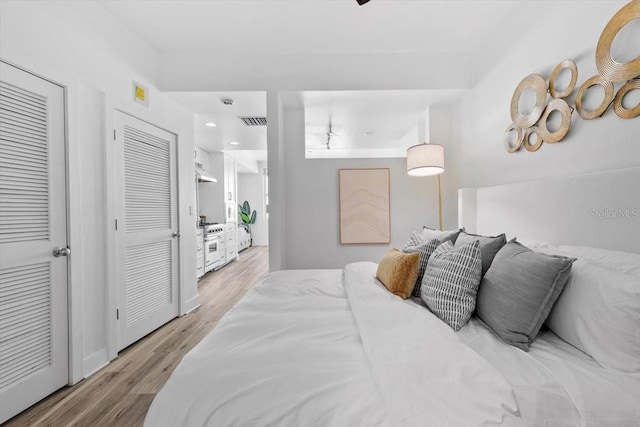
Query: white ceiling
[
  {"x": 208, "y": 107},
  {"x": 319, "y": 26},
  {"x": 260, "y": 38},
  {"x": 367, "y": 123}
]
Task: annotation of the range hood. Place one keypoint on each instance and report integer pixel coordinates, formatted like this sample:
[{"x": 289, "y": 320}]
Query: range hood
[{"x": 204, "y": 178}]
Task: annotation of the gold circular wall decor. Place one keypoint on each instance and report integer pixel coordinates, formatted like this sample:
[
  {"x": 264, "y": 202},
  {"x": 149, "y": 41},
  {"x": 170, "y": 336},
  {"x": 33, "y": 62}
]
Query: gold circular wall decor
[
  {"x": 607, "y": 67},
  {"x": 626, "y": 113},
  {"x": 606, "y": 101},
  {"x": 573, "y": 68},
  {"x": 515, "y": 147},
  {"x": 565, "y": 110},
  {"x": 533, "y": 130},
  {"x": 539, "y": 86}
]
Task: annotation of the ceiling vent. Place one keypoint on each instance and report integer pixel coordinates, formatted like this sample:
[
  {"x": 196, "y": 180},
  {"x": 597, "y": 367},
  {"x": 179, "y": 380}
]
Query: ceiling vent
[{"x": 254, "y": 121}]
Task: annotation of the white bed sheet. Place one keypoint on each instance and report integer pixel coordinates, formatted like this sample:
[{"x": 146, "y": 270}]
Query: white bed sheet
[
  {"x": 557, "y": 384},
  {"x": 334, "y": 348},
  {"x": 288, "y": 354},
  {"x": 300, "y": 350}
]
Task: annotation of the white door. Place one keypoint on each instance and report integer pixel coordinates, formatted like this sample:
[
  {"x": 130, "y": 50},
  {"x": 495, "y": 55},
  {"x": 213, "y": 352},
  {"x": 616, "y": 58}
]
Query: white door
[
  {"x": 146, "y": 228},
  {"x": 34, "y": 358}
]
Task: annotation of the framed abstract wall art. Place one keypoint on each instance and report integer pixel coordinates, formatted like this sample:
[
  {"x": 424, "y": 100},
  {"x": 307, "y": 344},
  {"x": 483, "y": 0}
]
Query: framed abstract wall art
[{"x": 364, "y": 206}]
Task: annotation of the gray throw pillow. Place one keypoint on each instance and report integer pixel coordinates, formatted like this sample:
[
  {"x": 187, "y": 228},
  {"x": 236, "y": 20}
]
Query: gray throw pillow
[
  {"x": 415, "y": 239},
  {"x": 425, "y": 250},
  {"x": 451, "y": 281},
  {"x": 489, "y": 246},
  {"x": 443, "y": 236},
  {"x": 519, "y": 290}
]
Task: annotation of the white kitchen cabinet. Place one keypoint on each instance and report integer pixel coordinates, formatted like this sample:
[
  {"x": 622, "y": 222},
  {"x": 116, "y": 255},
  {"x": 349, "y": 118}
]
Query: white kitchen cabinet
[
  {"x": 199, "y": 253},
  {"x": 230, "y": 180},
  {"x": 198, "y": 153},
  {"x": 230, "y": 212},
  {"x": 222, "y": 245},
  {"x": 230, "y": 232},
  {"x": 202, "y": 161},
  {"x": 231, "y": 207}
]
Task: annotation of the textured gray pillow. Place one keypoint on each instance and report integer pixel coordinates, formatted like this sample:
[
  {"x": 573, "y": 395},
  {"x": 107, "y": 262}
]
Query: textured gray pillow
[
  {"x": 425, "y": 250},
  {"x": 451, "y": 281},
  {"x": 519, "y": 290},
  {"x": 489, "y": 246},
  {"x": 415, "y": 239},
  {"x": 443, "y": 236}
]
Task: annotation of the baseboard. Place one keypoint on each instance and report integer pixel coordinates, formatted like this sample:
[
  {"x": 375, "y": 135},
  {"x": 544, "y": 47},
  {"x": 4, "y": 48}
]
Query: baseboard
[
  {"x": 192, "y": 304},
  {"x": 95, "y": 362},
  {"x": 260, "y": 243}
]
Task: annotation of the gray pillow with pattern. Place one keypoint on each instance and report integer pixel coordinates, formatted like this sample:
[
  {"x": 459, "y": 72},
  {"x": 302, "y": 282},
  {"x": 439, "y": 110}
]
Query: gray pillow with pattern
[
  {"x": 450, "y": 283},
  {"x": 425, "y": 250}
]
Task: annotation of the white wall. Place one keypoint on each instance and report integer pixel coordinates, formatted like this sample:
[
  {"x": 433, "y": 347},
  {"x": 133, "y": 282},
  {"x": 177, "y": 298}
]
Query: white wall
[
  {"x": 97, "y": 59},
  {"x": 251, "y": 188},
  {"x": 312, "y": 205},
  {"x": 472, "y": 133},
  {"x": 477, "y": 156}
]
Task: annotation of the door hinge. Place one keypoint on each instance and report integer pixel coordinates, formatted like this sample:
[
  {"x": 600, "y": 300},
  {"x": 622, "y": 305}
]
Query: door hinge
[
  {"x": 116, "y": 225},
  {"x": 117, "y": 314},
  {"x": 114, "y": 134}
]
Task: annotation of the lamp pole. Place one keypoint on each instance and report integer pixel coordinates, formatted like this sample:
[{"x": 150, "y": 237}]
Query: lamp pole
[{"x": 439, "y": 204}]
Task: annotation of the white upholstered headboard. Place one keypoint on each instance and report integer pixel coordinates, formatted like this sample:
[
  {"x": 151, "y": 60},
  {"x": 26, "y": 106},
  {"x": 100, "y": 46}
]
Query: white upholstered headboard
[{"x": 600, "y": 209}]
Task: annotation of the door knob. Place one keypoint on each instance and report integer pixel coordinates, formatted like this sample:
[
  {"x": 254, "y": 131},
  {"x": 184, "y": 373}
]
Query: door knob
[
  {"x": 176, "y": 234},
  {"x": 58, "y": 252}
]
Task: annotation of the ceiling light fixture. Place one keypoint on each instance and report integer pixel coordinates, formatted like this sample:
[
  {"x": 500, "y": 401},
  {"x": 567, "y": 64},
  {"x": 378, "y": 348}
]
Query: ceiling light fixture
[
  {"x": 210, "y": 124},
  {"x": 234, "y": 143},
  {"x": 329, "y": 135}
]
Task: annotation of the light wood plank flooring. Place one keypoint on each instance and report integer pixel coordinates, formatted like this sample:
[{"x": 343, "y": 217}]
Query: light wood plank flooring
[{"x": 121, "y": 393}]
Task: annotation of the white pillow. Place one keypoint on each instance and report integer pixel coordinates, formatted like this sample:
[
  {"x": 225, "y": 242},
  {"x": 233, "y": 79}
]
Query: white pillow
[
  {"x": 624, "y": 262},
  {"x": 599, "y": 313},
  {"x": 535, "y": 244}
]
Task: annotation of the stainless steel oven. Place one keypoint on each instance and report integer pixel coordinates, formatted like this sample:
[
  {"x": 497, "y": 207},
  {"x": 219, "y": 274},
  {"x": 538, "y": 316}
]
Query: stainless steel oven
[{"x": 213, "y": 246}]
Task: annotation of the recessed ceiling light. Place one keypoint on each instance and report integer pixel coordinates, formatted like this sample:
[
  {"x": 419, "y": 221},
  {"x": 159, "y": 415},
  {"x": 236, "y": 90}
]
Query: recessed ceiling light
[
  {"x": 234, "y": 143},
  {"x": 210, "y": 124}
]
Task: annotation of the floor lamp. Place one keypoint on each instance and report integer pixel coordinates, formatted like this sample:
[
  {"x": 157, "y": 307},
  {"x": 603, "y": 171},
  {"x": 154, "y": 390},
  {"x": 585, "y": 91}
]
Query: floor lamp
[{"x": 425, "y": 160}]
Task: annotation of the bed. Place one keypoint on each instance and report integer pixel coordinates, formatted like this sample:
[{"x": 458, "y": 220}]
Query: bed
[{"x": 337, "y": 348}]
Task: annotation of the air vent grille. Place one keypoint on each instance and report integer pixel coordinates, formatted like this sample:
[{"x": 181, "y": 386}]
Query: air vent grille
[{"x": 254, "y": 121}]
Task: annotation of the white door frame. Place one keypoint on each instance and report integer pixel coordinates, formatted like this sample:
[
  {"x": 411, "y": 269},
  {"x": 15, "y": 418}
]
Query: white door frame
[{"x": 111, "y": 188}]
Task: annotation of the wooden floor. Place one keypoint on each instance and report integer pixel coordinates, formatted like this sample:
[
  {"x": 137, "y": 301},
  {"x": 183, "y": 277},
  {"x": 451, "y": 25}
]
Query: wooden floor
[{"x": 120, "y": 394}]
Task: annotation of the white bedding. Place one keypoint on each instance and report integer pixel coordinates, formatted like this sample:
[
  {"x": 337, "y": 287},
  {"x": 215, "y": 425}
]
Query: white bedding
[
  {"x": 335, "y": 348},
  {"x": 558, "y": 385}
]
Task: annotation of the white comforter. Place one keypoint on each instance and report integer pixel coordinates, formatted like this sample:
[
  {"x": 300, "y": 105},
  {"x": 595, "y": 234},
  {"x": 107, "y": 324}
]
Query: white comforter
[{"x": 332, "y": 348}]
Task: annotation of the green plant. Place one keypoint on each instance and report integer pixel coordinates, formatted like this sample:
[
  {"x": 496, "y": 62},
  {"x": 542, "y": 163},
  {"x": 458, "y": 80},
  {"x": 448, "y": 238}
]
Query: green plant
[{"x": 247, "y": 216}]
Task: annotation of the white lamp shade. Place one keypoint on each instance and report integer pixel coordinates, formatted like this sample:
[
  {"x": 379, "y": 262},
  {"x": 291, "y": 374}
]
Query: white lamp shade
[{"x": 425, "y": 159}]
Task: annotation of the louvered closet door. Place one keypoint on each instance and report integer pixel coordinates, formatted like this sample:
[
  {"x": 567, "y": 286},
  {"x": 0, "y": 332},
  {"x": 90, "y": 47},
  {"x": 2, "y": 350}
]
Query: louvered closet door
[
  {"x": 147, "y": 247},
  {"x": 33, "y": 283}
]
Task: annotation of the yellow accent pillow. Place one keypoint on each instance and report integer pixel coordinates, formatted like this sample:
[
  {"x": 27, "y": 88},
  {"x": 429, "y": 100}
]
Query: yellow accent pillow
[{"x": 398, "y": 272}]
